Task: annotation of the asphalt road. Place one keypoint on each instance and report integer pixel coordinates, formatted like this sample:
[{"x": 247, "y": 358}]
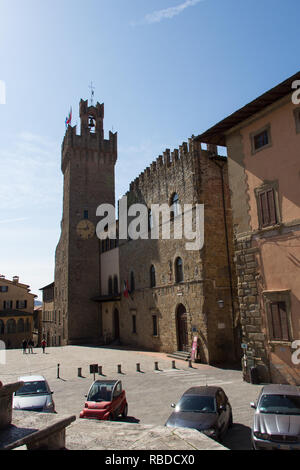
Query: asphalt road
[{"x": 149, "y": 392}]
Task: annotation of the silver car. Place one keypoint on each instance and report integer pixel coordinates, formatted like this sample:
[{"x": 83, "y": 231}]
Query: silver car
[
  {"x": 34, "y": 395},
  {"x": 277, "y": 418}
]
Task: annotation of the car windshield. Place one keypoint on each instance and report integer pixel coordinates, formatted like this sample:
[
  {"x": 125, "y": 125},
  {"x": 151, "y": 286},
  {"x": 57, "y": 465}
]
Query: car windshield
[
  {"x": 33, "y": 388},
  {"x": 280, "y": 404},
  {"x": 197, "y": 404},
  {"x": 101, "y": 392}
]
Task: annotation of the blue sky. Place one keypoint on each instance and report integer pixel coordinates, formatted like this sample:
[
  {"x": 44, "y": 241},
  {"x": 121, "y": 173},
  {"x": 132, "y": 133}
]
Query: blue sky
[{"x": 165, "y": 69}]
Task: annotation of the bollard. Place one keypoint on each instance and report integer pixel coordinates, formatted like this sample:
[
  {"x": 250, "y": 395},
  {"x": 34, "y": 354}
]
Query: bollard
[
  {"x": 138, "y": 368},
  {"x": 173, "y": 365},
  {"x": 79, "y": 372},
  {"x": 155, "y": 365},
  {"x": 100, "y": 370},
  {"x": 58, "y": 370},
  {"x": 119, "y": 369},
  {"x": 190, "y": 363}
]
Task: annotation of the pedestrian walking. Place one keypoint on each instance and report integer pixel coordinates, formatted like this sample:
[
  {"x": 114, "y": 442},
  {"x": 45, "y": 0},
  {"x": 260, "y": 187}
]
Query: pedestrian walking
[
  {"x": 30, "y": 346},
  {"x": 24, "y": 346},
  {"x": 43, "y": 345}
]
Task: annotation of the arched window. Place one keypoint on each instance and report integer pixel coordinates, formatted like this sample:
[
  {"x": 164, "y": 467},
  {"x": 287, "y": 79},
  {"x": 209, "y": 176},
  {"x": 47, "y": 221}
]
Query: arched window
[
  {"x": 178, "y": 270},
  {"x": 116, "y": 285},
  {"x": 110, "y": 286},
  {"x": 152, "y": 276},
  {"x": 21, "y": 327},
  {"x": 132, "y": 282},
  {"x": 174, "y": 205},
  {"x": 11, "y": 326}
]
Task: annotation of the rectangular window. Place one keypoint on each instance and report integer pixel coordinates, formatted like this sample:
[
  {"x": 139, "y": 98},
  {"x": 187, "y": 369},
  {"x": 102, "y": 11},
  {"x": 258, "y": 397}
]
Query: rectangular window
[
  {"x": 133, "y": 323},
  {"x": 21, "y": 304},
  {"x": 261, "y": 140},
  {"x": 278, "y": 322},
  {"x": 3, "y": 288},
  {"x": 154, "y": 320},
  {"x": 267, "y": 207},
  {"x": 7, "y": 304},
  {"x": 86, "y": 214}
]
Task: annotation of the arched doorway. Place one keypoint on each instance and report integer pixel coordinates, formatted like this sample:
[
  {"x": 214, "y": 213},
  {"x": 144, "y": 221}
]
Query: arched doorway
[
  {"x": 116, "y": 324},
  {"x": 182, "y": 329}
]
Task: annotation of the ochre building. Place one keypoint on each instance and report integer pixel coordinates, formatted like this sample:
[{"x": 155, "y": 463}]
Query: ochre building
[
  {"x": 263, "y": 142},
  {"x": 16, "y": 312}
]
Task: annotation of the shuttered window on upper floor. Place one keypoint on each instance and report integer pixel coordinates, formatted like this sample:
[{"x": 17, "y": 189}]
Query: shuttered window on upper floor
[
  {"x": 278, "y": 322},
  {"x": 267, "y": 208}
]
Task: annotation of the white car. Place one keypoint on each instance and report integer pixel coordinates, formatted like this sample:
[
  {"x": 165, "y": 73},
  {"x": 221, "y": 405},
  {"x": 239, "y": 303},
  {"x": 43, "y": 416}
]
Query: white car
[{"x": 34, "y": 395}]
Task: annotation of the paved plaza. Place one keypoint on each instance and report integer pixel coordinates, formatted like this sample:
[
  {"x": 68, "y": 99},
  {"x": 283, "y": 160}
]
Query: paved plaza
[{"x": 149, "y": 392}]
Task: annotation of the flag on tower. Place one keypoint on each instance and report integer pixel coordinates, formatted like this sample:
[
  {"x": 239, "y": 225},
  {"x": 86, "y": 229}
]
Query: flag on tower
[{"x": 69, "y": 118}]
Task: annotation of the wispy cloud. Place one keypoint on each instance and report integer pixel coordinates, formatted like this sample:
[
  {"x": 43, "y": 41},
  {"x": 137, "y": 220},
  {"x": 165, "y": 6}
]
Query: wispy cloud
[{"x": 168, "y": 13}]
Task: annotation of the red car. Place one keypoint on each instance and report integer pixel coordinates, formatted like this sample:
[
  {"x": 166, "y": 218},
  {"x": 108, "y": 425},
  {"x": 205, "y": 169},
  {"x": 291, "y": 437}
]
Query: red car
[{"x": 105, "y": 401}]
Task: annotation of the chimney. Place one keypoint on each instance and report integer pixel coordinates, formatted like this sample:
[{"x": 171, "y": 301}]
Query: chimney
[{"x": 16, "y": 279}]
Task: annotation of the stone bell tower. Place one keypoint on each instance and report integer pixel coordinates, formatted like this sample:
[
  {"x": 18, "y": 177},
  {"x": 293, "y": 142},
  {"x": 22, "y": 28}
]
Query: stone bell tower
[{"x": 88, "y": 165}]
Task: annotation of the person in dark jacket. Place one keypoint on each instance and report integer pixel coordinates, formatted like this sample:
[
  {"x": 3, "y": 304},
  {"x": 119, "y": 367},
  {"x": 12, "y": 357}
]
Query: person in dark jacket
[{"x": 24, "y": 346}]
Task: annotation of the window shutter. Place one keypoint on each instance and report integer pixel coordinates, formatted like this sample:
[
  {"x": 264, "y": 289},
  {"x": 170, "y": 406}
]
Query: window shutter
[
  {"x": 271, "y": 205},
  {"x": 276, "y": 321},
  {"x": 284, "y": 321},
  {"x": 264, "y": 209}
]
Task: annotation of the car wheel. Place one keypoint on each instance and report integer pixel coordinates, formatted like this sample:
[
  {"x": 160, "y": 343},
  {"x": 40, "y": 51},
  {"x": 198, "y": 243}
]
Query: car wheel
[{"x": 125, "y": 411}]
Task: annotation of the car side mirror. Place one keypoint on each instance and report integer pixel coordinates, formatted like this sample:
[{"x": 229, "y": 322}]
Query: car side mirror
[
  {"x": 51, "y": 393},
  {"x": 173, "y": 405},
  {"x": 85, "y": 396},
  {"x": 253, "y": 405},
  {"x": 222, "y": 408}
]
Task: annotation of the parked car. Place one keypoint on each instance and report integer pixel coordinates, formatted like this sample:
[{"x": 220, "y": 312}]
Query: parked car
[
  {"x": 277, "y": 418},
  {"x": 34, "y": 395},
  {"x": 106, "y": 400},
  {"x": 206, "y": 409}
]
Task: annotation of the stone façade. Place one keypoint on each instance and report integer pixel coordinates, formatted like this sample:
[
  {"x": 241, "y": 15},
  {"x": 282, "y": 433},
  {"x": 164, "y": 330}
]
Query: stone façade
[{"x": 88, "y": 162}]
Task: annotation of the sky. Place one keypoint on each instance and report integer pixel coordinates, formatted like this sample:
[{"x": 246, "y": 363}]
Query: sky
[{"x": 165, "y": 69}]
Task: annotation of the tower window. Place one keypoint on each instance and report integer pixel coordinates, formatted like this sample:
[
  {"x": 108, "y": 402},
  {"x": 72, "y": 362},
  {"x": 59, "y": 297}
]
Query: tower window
[
  {"x": 179, "y": 270},
  {"x": 133, "y": 323},
  {"x": 86, "y": 214},
  {"x": 154, "y": 324},
  {"x": 174, "y": 205},
  {"x": 152, "y": 277},
  {"x": 116, "y": 285},
  {"x": 110, "y": 286}
]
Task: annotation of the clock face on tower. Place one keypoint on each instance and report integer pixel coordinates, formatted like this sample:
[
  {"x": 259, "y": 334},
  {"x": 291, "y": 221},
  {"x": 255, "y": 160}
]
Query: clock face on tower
[{"x": 85, "y": 229}]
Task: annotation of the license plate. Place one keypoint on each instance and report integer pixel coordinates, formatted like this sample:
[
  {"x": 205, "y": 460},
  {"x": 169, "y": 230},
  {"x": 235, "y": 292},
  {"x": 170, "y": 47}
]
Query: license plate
[{"x": 284, "y": 447}]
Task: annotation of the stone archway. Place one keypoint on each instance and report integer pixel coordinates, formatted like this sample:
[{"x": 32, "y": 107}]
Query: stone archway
[{"x": 182, "y": 329}]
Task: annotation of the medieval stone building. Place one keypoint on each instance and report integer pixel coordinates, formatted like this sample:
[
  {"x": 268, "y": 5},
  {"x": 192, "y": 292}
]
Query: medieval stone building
[
  {"x": 88, "y": 163},
  {"x": 149, "y": 293}
]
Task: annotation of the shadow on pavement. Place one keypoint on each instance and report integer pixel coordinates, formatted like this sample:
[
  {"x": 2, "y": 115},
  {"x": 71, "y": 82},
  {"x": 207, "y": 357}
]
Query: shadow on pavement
[
  {"x": 128, "y": 419},
  {"x": 238, "y": 438}
]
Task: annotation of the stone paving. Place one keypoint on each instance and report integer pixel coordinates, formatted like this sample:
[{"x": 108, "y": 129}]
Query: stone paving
[{"x": 149, "y": 393}]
